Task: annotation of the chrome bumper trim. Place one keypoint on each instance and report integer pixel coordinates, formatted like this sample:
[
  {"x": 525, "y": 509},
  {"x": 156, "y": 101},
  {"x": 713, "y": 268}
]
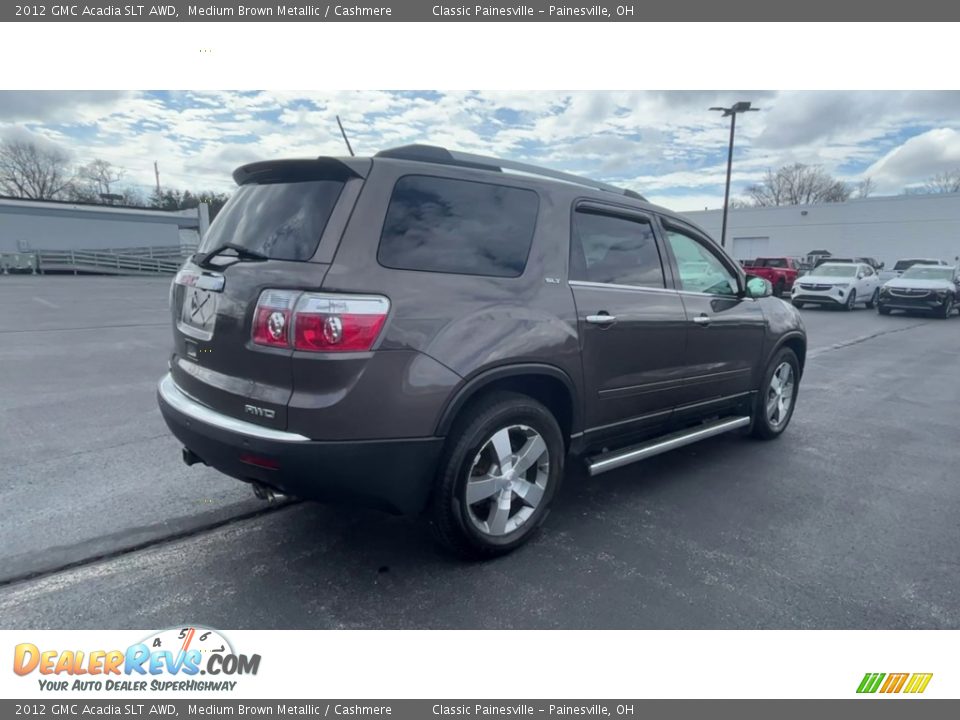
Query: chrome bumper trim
[{"x": 181, "y": 402}]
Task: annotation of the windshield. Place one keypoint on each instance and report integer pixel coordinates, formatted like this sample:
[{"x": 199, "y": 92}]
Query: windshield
[
  {"x": 928, "y": 272},
  {"x": 837, "y": 270},
  {"x": 283, "y": 221},
  {"x": 906, "y": 264}
]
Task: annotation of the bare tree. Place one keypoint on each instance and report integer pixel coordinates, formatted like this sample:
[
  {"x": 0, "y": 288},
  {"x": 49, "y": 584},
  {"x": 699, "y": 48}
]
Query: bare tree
[
  {"x": 798, "y": 184},
  {"x": 30, "y": 171},
  {"x": 101, "y": 174},
  {"x": 93, "y": 181},
  {"x": 865, "y": 188},
  {"x": 945, "y": 182}
]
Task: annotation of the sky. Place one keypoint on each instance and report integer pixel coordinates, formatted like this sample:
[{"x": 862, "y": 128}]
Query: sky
[{"x": 666, "y": 145}]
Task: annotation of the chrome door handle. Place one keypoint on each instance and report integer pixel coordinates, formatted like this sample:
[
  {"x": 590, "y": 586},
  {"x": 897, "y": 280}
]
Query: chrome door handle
[
  {"x": 602, "y": 319},
  {"x": 702, "y": 320}
]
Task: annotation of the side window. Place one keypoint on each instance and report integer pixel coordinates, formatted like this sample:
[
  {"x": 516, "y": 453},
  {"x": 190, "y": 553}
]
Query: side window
[
  {"x": 458, "y": 226},
  {"x": 867, "y": 270},
  {"x": 615, "y": 250},
  {"x": 700, "y": 270}
]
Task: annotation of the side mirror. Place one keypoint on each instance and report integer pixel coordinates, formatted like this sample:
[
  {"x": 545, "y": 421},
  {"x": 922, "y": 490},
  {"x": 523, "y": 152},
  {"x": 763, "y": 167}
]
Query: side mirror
[
  {"x": 880, "y": 266},
  {"x": 758, "y": 287},
  {"x": 860, "y": 276}
]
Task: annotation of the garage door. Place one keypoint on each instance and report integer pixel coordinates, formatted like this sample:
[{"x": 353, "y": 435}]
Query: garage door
[{"x": 748, "y": 248}]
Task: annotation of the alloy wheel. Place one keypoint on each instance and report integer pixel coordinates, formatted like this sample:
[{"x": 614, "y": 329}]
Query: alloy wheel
[
  {"x": 780, "y": 394},
  {"x": 507, "y": 480}
]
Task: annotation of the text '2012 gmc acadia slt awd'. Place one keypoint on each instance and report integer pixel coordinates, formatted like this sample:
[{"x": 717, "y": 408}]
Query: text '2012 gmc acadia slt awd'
[{"x": 428, "y": 331}]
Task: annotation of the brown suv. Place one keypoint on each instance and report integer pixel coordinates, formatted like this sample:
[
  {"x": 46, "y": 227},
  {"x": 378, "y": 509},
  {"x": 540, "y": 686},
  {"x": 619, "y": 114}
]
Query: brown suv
[{"x": 433, "y": 331}]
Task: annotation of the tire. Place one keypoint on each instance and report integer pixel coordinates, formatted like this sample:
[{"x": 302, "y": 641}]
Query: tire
[
  {"x": 797, "y": 304},
  {"x": 767, "y": 425},
  {"x": 778, "y": 288},
  {"x": 500, "y": 520},
  {"x": 947, "y": 308},
  {"x": 851, "y": 301},
  {"x": 874, "y": 299}
]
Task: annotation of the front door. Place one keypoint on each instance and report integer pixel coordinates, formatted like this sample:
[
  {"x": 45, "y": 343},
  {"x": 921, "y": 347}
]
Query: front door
[
  {"x": 631, "y": 325},
  {"x": 725, "y": 331}
]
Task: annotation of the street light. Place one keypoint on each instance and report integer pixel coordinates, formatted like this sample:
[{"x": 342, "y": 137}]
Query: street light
[{"x": 732, "y": 111}]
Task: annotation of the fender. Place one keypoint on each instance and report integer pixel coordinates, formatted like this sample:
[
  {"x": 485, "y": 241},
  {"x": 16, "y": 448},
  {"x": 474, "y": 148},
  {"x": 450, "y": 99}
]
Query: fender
[
  {"x": 484, "y": 378},
  {"x": 782, "y": 340}
]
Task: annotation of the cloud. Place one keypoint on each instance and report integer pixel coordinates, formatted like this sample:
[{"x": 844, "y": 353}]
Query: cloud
[
  {"x": 917, "y": 159},
  {"x": 53, "y": 105},
  {"x": 666, "y": 144}
]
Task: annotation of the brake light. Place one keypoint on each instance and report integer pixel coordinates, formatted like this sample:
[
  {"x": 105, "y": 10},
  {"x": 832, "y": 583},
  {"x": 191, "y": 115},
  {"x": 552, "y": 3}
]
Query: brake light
[
  {"x": 271, "y": 319},
  {"x": 319, "y": 322},
  {"x": 338, "y": 323}
]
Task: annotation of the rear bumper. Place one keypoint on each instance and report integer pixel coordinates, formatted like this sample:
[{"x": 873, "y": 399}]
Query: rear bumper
[{"x": 392, "y": 475}]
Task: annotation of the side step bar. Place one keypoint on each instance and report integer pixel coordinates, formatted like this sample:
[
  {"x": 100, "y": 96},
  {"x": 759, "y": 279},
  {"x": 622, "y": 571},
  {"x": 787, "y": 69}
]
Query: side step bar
[{"x": 618, "y": 458}]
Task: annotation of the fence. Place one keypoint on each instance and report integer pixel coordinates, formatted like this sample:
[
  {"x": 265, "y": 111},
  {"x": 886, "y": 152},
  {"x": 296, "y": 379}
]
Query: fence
[{"x": 115, "y": 261}]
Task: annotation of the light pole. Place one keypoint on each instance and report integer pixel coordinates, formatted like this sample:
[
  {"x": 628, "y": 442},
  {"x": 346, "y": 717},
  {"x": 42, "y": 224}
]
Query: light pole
[{"x": 732, "y": 113}]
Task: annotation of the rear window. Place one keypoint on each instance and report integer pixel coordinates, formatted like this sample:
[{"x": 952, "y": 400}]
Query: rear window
[
  {"x": 771, "y": 262},
  {"x": 458, "y": 226},
  {"x": 283, "y": 221}
]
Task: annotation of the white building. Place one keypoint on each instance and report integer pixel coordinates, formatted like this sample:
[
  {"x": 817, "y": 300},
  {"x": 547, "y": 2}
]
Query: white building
[
  {"x": 28, "y": 226},
  {"x": 886, "y": 228}
]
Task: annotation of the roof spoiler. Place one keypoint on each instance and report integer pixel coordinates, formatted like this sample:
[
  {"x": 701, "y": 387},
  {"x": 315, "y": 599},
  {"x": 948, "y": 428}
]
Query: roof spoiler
[{"x": 322, "y": 168}]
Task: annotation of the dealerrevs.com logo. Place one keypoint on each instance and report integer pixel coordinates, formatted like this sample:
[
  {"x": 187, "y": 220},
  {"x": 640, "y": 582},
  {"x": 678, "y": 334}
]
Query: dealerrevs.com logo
[{"x": 173, "y": 659}]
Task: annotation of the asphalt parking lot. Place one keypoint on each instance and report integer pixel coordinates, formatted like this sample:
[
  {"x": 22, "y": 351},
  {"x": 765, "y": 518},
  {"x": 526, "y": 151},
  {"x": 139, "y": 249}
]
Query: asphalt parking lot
[{"x": 850, "y": 520}]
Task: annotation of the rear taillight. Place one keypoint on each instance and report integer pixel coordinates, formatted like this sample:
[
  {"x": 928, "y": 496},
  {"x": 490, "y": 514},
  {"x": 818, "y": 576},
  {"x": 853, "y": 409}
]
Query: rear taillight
[
  {"x": 319, "y": 322},
  {"x": 271, "y": 320}
]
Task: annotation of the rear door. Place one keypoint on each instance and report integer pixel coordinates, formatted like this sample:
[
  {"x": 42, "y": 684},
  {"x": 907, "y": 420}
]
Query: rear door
[
  {"x": 285, "y": 220},
  {"x": 725, "y": 330},
  {"x": 631, "y": 325}
]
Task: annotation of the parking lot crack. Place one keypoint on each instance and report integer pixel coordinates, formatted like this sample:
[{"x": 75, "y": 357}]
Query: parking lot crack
[{"x": 864, "y": 338}]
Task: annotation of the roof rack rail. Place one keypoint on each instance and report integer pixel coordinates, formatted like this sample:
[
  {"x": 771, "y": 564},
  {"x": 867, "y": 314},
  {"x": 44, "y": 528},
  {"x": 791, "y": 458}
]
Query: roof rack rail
[{"x": 435, "y": 154}]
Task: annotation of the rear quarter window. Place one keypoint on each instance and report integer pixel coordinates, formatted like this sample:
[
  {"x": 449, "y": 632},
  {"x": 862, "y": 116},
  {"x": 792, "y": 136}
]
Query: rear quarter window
[{"x": 458, "y": 226}]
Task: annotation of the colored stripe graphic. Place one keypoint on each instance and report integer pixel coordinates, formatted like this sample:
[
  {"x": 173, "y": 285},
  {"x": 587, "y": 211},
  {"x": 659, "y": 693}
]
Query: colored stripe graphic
[
  {"x": 894, "y": 682},
  {"x": 918, "y": 682},
  {"x": 870, "y": 682}
]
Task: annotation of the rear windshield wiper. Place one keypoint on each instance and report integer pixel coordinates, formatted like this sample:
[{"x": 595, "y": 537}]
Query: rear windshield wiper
[{"x": 242, "y": 253}]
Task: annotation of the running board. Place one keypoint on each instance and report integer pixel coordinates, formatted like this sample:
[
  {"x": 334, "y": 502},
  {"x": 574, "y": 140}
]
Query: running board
[{"x": 613, "y": 460}]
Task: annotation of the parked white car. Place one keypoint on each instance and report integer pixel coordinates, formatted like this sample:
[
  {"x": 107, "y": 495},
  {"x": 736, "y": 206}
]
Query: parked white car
[{"x": 838, "y": 284}]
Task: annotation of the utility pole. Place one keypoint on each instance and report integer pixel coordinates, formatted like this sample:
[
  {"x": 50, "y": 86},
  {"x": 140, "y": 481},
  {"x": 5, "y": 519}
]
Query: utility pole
[{"x": 156, "y": 172}]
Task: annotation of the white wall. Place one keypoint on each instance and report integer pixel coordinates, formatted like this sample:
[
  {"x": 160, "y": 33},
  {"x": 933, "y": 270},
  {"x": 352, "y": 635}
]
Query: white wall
[
  {"x": 886, "y": 228},
  {"x": 29, "y": 226},
  {"x": 27, "y": 233}
]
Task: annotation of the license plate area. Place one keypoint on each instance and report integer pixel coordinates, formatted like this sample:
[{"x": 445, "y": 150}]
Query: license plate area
[{"x": 198, "y": 313}]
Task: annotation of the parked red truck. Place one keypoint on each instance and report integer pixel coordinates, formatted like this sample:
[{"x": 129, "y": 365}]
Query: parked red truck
[{"x": 782, "y": 272}]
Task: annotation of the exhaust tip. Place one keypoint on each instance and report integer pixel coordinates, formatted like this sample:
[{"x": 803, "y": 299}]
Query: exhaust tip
[
  {"x": 190, "y": 457},
  {"x": 264, "y": 492}
]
